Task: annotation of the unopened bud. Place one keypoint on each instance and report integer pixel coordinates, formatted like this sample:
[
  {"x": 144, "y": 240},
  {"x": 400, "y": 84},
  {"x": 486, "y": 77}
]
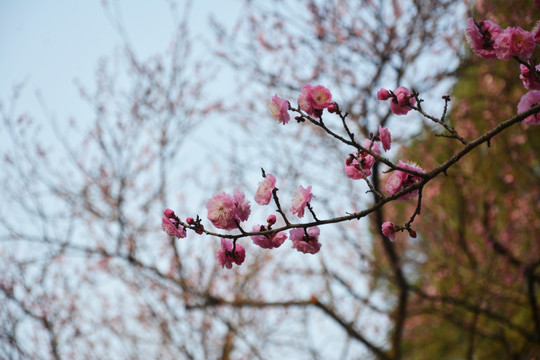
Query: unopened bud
[
  {"x": 168, "y": 213},
  {"x": 333, "y": 107},
  {"x": 271, "y": 219}
]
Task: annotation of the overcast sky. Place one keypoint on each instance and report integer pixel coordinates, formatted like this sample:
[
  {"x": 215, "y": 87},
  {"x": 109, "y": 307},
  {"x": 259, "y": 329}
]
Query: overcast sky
[{"x": 49, "y": 43}]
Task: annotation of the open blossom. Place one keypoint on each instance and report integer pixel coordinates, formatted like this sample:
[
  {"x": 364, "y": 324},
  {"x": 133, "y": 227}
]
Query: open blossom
[
  {"x": 300, "y": 200},
  {"x": 481, "y": 40},
  {"x": 280, "y": 109},
  {"x": 361, "y": 160},
  {"x": 401, "y": 179},
  {"x": 514, "y": 41},
  {"x": 264, "y": 191},
  {"x": 224, "y": 209},
  {"x": 226, "y": 257},
  {"x": 308, "y": 244},
  {"x": 314, "y": 99},
  {"x": 389, "y": 230},
  {"x": 169, "y": 224},
  {"x": 527, "y": 101},
  {"x": 243, "y": 209},
  {"x": 386, "y": 139},
  {"x": 270, "y": 241},
  {"x": 528, "y": 78},
  {"x": 321, "y": 97}
]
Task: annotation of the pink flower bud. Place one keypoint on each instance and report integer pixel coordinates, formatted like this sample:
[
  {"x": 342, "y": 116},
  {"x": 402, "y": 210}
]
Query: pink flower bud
[
  {"x": 271, "y": 219},
  {"x": 383, "y": 94},
  {"x": 190, "y": 221},
  {"x": 333, "y": 107},
  {"x": 168, "y": 213}
]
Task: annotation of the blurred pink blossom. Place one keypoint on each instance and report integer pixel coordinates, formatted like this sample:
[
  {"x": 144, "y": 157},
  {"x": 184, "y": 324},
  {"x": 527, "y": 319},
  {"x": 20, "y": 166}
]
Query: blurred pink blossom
[
  {"x": 514, "y": 41},
  {"x": 270, "y": 241},
  {"x": 362, "y": 160},
  {"x": 482, "y": 40},
  {"x": 279, "y": 108},
  {"x": 222, "y": 211},
  {"x": 243, "y": 209},
  {"x": 307, "y": 244},
  {"x": 383, "y": 94},
  {"x": 172, "y": 228},
  {"x": 401, "y": 100},
  {"x": 264, "y": 191},
  {"x": 389, "y": 230},
  {"x": 226, "y": 257},
  {"x": 386, "y": 139},
  {"x": 401, "y": 179},
  {"x": 300, "y": 200},
  {"x": 528, "y": 78},
  {"x": 527, "y": 101}
]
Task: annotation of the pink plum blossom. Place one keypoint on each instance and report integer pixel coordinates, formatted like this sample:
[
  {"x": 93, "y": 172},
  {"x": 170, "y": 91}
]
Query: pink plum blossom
[
  {"x": 527, "y": 101},
  {"x": 401, "y": 179},
  {"x": 386, "y": 139},
  {"x": 300, "y": 200},
  {"x": 321, "y": 97},
  {"x": 171, "y": 226},
  {"x": 269, "y": 241},
  {"x": 243, "y": 209},
  {"x": 226, "y": 257},
  {"x": 264, "y": 191},
  {"x": 279, "y": 108},
  {"x": 224, "y": 209},
  {"x": 383, "y": 94},
  {"x": 361, "y": 160},
  {"x": 481, "y": 38},
  {"x": 389, "y": 230},
  {"x": 401, "y": 100},
  {"x": 304, "y": 100},
  {"x": 307, "y": 244},
  {"x": 314, "y": 99},
  {"x": 514, "y": 41},
  {"x": 528, "y": 78}
]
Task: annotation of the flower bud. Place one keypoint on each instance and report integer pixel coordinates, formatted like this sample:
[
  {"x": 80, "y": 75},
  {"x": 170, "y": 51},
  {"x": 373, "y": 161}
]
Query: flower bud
[
  {"x": 333, "y": 107},
  {"x": 271, "y": 219},
  {"x": 168, "y": 213}
]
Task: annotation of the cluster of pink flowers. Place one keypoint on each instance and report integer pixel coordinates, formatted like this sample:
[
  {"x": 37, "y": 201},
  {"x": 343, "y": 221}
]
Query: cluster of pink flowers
[
  {"x": 269, "y": 241},
  {"x": 488, "y": 40},
  {"x": 314, "y": 99},
  {"x": 361, "y": 162},
  {"x": 402, "y": 179},
  {"x": 170, "y": 223},
  {"x": 401, "y": 101},
  {"x": 306, "y": 241},
  {"x": 224, "y": 210},
  {"x": 300, "y": 199},
  {"x": 226, "y": 256}
]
